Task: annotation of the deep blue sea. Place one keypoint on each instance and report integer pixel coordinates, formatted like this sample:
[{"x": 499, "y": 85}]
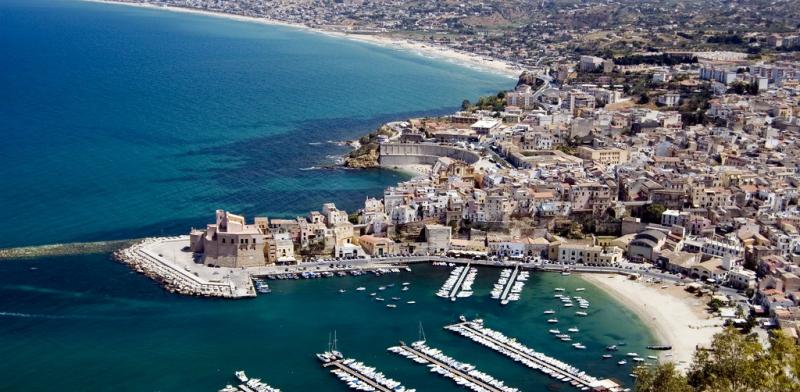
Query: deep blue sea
[{"x": 120, "y": 122}]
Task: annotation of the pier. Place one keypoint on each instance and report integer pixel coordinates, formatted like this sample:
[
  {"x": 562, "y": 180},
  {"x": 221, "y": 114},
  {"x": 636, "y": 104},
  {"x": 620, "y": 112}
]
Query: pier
[
  {"x": 448, "y": 367},
  {"x": 552, "y": 367},
  {"x": 509, "y": 284},
  {"x": 359, "y": 376},
  {"x": 459, "y": 283},
  {"x": 163, "y": 260}
]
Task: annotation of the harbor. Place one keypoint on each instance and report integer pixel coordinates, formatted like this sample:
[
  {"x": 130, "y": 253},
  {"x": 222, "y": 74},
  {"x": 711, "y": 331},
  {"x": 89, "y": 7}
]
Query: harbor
[
  {"x": 476, "y": 331},
  {"x": 357, "y": 375},
  {"x": 462, "y": 374}
]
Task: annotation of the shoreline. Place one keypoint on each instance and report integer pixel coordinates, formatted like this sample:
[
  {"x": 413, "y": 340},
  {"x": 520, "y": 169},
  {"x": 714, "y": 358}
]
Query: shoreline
[
  {"x": 673, "y": 316},
  {"x": 425, "y": 50}
]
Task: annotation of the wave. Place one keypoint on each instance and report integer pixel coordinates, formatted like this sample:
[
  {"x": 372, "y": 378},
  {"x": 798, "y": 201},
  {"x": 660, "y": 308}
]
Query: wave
[
  {"x": 314, "y": 143},
  {"x": 309, "y": 168}
]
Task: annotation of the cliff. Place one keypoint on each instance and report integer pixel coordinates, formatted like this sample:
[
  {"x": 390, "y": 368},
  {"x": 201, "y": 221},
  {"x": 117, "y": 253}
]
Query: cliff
[{"x": 362, "y": 159}]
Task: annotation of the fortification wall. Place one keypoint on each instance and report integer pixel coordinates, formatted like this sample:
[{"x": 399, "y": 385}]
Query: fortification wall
[{"x": 395, "y": 154}]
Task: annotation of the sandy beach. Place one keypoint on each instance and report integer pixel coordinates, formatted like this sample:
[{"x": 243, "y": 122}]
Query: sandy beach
[
  {"x": 415, "y": 171},
  {"x": 675, "y": 316},
  {"x": 422, "y": 49}
]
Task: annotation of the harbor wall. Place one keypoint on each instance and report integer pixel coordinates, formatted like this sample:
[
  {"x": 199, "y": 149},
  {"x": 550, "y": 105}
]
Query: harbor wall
[{"x": 396, "y": 154}]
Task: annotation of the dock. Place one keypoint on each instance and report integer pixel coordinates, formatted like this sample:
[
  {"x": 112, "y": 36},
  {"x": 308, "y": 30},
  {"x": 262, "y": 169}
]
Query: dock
[
  {"x": 509, "y": 284},
  {"x": 448, "y": 367},
  {"x": 511, "y": 348},
  {"x": 348, "y": 370},
  {"x": 459, "y": 283}
]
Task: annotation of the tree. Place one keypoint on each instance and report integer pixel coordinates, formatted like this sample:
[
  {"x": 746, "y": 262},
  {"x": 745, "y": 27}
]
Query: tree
[
  {"x": 737, "y": 362},
  {"x": 715, "y": 304},
  {"x": 653, "y": 212},
  {"x": 465, "y": 104},
  {"x": 662, "y": 378},
  {"x": 734, "y": 363}
]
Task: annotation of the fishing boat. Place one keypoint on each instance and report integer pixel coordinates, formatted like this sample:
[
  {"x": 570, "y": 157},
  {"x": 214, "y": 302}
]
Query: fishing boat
[
  {"x": 659, "y": 347},
  {"x": 391, "y": 305},
  {"x": 612, "y": 347},
  {"x": 574, "y": 329},
  {"x": 580, "y": 289},
  {"x": 552, "y": 320},
  {"x": 578, "y": 346},
  {"x": 241, "y": 376},
  {"x": 361, "y": 288},
  {"x": 342, "y": 291},
  {"x": 622, "y": 362},
  {"x": 607, "y": 356},
  {"x": 581, "y": 313},
  {"x": 549, "y": 311},
  {"x": 555, "y": 331},
  {"x": 411, "y": 302}
]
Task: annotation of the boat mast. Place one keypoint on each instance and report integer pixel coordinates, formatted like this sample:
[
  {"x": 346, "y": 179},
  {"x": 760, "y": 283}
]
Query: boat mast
[
  {"x": 334, "y": 340},
  {"x": 421, "y": 333}
]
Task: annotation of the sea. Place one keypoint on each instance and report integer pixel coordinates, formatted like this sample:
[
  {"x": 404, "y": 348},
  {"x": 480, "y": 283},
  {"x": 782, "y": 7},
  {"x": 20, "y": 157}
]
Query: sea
[{"x": 120, "y": 122}]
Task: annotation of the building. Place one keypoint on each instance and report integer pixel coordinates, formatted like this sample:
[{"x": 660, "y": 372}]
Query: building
[
  {"x": 438, "y": 237},
  {"x": 590, "y": 63},
  {"x": 723, "y": 76},
  {"x": 646, "y": 245},
  {"x": 588, "y": 254},
  {"x": 377, "y": 246},
  {"x": 606, "y": 156},
  {"x": 669, "y": 99},
  {"x": 230, "y": 242},
  {"x": 280, "y": 249}
]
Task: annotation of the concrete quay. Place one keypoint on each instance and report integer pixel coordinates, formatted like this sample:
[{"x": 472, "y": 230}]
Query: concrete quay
[
  {"x": 168, "y": 261},
  {"x": 163, "y": 260}
]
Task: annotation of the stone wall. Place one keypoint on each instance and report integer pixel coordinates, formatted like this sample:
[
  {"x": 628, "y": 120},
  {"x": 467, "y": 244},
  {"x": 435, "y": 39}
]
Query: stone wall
[{"x": 395, "y": 154}]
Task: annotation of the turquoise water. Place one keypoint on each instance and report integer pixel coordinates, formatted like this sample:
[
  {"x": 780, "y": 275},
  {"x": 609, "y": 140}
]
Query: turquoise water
[
  {"x": 105, "y": 328},
  {"x": 120, "y": 122}
]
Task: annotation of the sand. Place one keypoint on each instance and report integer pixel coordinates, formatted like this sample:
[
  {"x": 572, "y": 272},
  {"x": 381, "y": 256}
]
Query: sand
[
  {"x": 675, "y": 316},
  {"x": 428, "y": 50},
  {"x": 416, "y": 171}
]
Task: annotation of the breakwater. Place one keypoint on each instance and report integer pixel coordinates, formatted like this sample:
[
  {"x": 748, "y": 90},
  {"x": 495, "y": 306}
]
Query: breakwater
[{"x": 70, "y": 249}]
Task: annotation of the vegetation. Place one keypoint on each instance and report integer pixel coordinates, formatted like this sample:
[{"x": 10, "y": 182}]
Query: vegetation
[
  {"x": 743, "y": 88},
  {"x": 662, "y": 59},
  {"x": 693, "y": 108},
  {"x": 715, "y": 304},
  {"x": 734, "y": 363},
  {"x": 653, "y": 212}
]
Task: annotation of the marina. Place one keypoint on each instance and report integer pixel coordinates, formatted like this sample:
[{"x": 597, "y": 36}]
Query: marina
[
  {"x": 357, "y": 375},
  {"x": 463, "y": 374},
  {"x": 510, "y": 284},
  {"x": 248, "y": 384},
  {"x": 459, "y": 283},
  {"x": 476, "y": 331}
]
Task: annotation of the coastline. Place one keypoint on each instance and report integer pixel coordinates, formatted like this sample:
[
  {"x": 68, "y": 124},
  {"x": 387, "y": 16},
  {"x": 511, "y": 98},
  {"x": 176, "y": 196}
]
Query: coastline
[
  {"x": 415, "y": 171},
  {"x": 674, "y": 316},
  {"x": 425, "y": 50}
]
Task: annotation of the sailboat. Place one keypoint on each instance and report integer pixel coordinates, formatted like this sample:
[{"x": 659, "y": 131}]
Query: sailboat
[
  {"x": 421, "y": 338},
  {"x": 332, "y": 354}
]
